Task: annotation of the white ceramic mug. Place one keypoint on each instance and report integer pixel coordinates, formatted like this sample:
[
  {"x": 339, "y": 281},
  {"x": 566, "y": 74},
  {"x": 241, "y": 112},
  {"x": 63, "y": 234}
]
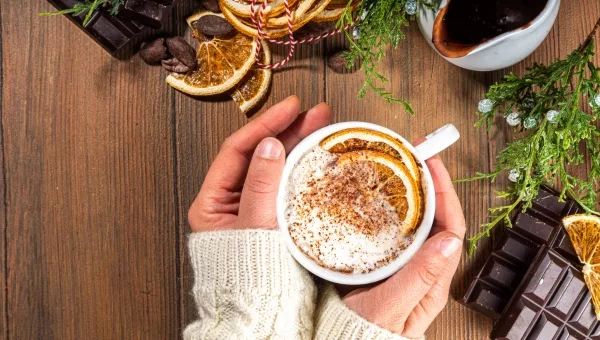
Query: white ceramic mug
[{"x": 435, "y": 143}]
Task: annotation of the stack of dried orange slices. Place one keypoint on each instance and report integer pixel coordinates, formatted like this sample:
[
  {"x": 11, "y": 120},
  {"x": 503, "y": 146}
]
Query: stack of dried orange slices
[
  {"x": 275, "y": 19},
  {"x": 226, "y": 62},
  {"x": 225, "y": 65},
  {"x": 398, "y": 172}
]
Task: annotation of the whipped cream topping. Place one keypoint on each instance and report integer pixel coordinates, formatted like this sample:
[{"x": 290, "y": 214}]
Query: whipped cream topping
[{"x": 337, "y": 219}]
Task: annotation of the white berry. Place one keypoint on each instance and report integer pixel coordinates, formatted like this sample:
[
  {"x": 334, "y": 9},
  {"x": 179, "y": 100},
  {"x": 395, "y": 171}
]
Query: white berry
[
  {"x": 411, "y": 7},
  {"x": 486, "y": 106},
  {"x": 513, "y": 175},
  {"x": 552, "y": 116},
  {"x": 530, "y": 122},
  {"x": 513, "y": 119}
]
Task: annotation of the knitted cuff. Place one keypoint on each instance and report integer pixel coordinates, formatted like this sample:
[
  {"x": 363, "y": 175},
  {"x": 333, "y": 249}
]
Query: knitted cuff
[
  {"x": 336, "y": 321},
  {"x": 245, "y": 261},
  {"x": 246, "y": 286}
]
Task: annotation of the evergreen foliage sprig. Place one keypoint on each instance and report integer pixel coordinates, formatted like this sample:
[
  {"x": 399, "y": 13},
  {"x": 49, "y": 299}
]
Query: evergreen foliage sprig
[
  {"x": 379, "y": 27},
  {"x": 552, "y": 143},
  {"x": 88, "y": 7}
]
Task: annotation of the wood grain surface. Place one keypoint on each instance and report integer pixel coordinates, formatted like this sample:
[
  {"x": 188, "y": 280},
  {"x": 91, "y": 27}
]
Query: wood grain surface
[
  {"x": 3, "y": 266},
  {"x": 101, "y": 160}
]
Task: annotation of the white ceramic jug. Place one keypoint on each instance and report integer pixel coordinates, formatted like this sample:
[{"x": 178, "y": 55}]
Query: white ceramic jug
[{"x": 502, "y": 51}]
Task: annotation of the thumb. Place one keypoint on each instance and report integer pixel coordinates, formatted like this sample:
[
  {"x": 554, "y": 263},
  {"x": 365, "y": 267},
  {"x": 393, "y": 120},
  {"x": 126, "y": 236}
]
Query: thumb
[
  {"x": 257, "y": 204},
  {"x": 409, "y": 286}
]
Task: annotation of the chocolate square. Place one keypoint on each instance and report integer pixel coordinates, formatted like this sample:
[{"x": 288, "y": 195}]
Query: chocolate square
[{"x": 151, "y": 13}]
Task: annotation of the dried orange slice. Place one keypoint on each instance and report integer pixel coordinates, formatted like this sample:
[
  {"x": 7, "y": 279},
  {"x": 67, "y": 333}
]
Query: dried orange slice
[
  {"x": 242, "y": 8},
  {"x": 364, "y": 139},
  {"x": 241, "y": 24},
  {"x": 395, "y": 183},
  {"x": 341, "y": 4},
  {"x": 584, "y": 232},
  {"x": 244, "y": 26},
  {"x": 328, "y": 15},
  {"x": 334, "y": 11},
  {"x": 255, "y": 85},
  {"x": 298, "y": 13},
  {"x": 222, "y": 62}
]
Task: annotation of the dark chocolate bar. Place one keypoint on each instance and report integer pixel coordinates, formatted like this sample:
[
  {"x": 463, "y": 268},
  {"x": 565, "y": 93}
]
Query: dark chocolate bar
[
  {"x": 552, "y": 302},
  {"x": 109, "y": 31},
  {"x": 538, "y": 227},
  {"x": 532, "y": 283},
  {"x": 151, "y": 13}
]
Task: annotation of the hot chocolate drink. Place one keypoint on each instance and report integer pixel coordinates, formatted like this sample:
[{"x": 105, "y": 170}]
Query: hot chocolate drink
[
  {"x": 464, "y": 24},
  {"x": 352, "y": 203}
]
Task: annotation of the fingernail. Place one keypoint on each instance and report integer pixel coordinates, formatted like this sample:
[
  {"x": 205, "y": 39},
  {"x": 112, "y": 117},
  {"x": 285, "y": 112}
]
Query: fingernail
[
  {"x": 269, "y": 148},
  {"x": 449, "y": 246},
  {"x": 315, "y": 107}
]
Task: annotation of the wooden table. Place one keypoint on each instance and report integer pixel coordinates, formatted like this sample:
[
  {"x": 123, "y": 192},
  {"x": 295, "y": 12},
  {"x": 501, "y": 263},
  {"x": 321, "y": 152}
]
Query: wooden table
[{"x": 101, "y": 160}]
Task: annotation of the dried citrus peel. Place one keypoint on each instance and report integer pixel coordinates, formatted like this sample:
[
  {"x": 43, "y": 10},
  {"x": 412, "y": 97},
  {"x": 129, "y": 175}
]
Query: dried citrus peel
[{"x": 584, "y": 232}]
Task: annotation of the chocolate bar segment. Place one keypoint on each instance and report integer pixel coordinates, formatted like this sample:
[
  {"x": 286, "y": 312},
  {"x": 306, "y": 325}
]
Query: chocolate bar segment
[
  {"x": 151, "y": 13},
  {"x": 567, "y": 295},
  {"x": 552, "y": 302},
  {"x": 562, "y": 244},
  {"x": 109, "y": 31},
  {"x": 549, "y": 203},
  {"x": 516, "y": 249},
  {"x": 535, "y": 226},
  {"x": 487, "y": 299},
  {"x": 533, "y": 230},
  {"x": 501, "y": 273}
]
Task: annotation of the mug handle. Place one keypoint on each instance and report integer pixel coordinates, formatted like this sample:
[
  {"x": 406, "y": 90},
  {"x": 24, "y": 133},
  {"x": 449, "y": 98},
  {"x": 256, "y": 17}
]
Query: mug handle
[{"x": 437, "y": 141}]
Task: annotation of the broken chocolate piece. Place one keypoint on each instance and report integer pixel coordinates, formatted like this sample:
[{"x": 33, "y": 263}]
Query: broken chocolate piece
[
  {"x": 151, "y": 13},
  {"x": 112, "y": 32}
]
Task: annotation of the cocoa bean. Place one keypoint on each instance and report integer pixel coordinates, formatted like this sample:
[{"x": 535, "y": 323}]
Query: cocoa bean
[
  {"x": 184, "y": 52},
  {"x": 213, "y": 25},
  {"x": 154, "y": 52},
  {"x": 211, "y": 5},
  {"x": 174, "y": 65},
  {"x": 339, "y": 64}
]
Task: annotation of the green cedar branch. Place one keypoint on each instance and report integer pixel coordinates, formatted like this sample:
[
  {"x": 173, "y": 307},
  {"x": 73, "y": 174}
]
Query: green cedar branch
[
  {"x": 548, "y": 152},
  {"x": 379, "y": 27}
]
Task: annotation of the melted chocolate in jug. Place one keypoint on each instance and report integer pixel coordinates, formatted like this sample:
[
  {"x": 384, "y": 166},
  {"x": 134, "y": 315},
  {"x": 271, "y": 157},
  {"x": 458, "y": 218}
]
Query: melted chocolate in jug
[{"x": 464, "y": 24}]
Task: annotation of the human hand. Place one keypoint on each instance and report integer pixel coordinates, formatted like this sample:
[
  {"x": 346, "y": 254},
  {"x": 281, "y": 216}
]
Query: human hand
[
  {"x": 408, "y": 302},
  {"x": 240, "y": 189}
]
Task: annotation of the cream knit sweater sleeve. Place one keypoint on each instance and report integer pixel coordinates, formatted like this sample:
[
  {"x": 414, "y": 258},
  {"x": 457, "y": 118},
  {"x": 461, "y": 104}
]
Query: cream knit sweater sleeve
[{"x": 247, "y": 286}]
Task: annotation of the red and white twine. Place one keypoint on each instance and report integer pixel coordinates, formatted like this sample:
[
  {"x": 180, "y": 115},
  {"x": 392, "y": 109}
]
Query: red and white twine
[{"x": 292, "y": 42}]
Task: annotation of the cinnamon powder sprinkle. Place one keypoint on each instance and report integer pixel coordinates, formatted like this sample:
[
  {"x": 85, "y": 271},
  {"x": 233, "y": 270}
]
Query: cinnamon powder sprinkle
[{"x": 338, "y": 218}]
